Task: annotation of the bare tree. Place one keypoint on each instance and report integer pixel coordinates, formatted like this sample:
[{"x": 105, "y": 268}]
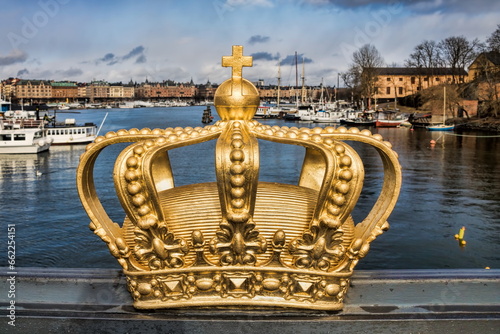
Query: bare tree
[
  {"x": 352, "y": 79},
  {"x": 426, "y": 55},
  {"x": 458, "y": 53},
  {"x": 493, "y": 42},
  {"x": 366, "y": 62}
]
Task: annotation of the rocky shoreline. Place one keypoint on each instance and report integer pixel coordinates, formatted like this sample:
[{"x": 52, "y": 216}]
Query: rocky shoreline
[{"x": 488, "y": 124}]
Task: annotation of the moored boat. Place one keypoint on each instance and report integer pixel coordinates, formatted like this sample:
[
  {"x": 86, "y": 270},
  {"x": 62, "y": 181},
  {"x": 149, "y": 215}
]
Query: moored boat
[
  {"x": 17, "y": 139},
  {"x": 325, "y": 116},
  {"x": 263, "y": 112},
  {"x": 65, "y": 133},
  {"x": 441, "y": 127},
  {"x": 358, "y": 122},
  {"x": 387, "y": 123},
  {"x": 69, "y": 132}
]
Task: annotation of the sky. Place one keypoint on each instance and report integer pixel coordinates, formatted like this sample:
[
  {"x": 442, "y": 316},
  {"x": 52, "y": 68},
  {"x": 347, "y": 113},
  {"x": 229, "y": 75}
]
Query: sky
[{"x": 180, "y": 40}]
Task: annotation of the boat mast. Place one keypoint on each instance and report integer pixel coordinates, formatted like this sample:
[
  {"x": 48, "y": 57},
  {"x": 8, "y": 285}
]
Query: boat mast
[
  {"x": 303, "y": 93},
  {"x": 444, "y": 105},
  {"x": 296, "y": 81},
  {"x": 279, "y": 83}
]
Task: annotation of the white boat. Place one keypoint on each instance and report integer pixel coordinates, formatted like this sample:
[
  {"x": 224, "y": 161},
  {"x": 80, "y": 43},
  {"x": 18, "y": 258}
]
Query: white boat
[
  {"x": 17, "y": 139},
  {"x": 307, "y": 115},
  {"x": 142, "y": 104},
  {"x": 69, "y": 133},
  {"x": 304, "y": 113},
  {"x": 66, "y": 133},
  {"x": 262, "y": 112},
  {"x": 331, "y": 116},
  {"x": 126, "y": 105}
]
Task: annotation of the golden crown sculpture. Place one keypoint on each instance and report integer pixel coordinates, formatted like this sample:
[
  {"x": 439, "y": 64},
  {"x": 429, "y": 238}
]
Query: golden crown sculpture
[{"x": 235, "y": 241}]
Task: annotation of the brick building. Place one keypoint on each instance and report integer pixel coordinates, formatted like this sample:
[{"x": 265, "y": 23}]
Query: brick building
[
  {"x": 33, "y": 89},
  {"x": 64, "y": 90}
]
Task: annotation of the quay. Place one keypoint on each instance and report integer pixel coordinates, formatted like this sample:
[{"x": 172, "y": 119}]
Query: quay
[{"x": 49, "y": 300}]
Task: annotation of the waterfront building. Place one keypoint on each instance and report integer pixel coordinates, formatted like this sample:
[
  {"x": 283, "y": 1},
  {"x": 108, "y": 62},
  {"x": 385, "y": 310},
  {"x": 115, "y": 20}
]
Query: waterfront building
[
  {"x": 396, "y": 82},
  {"x": 9, "y": 88},
  {"x": 206, "y": 91},
  {"x": 120, "y": 91},
  {"x": 64, "y": 90},
  {"x": 33, "y": 89},
  {"x": 487, "y": 63},
  {"x": 98, "y": 90},
  {"x": 82, "y": 90},
  {"x": 165, "y": 89},
  {"x": 484, "y": 72}
]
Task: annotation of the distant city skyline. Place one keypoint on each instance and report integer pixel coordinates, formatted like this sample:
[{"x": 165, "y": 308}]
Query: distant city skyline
[{"x": 183, "y": 40}]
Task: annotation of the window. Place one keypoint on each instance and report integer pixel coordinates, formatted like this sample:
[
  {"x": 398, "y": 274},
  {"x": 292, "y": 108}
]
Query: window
[
  {"x": 388, "y": 90},
  {"x": 437, "y": 79},
  {"x": 5, "y": 137},
  {"x": 400, "y": 79},
  {"x": 388, "y": 79},
  {"x": 400, "y": 92},
  {"x": 412, "y": 79},
  {"x": 19, "y": 136},
  {"x": 426, "y": 79}
]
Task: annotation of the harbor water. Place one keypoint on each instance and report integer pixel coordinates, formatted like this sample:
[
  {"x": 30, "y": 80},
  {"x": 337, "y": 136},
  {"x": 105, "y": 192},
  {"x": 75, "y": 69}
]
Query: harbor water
[{"x": 452, "y": 184}]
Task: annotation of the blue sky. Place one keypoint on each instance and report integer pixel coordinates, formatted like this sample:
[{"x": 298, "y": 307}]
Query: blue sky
[{"x": 122, "y": 40}]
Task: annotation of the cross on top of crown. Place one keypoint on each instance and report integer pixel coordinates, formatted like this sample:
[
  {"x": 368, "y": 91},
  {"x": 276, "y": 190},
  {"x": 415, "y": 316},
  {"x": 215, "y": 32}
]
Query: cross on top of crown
[{"x": 237, "y": 61}]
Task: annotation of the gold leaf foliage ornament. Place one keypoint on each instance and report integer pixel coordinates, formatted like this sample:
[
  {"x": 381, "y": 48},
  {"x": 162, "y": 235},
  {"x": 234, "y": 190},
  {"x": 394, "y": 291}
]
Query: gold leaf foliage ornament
[{"x": 232, "y": 242}]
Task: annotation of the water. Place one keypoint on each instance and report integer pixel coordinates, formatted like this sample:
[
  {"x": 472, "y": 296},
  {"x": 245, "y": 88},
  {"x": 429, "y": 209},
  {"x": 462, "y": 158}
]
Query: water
[{"x": 445, "y": 187}]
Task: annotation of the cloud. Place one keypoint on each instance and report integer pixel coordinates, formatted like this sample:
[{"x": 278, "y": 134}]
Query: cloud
[
  {"x": 107, "y": 57},
  {"x": 16, "y": 56},
  {"x": 290, "y": 60},
  {"x": 425, "y": 6},
  {"x": 137, "y": 51},
  {"x": 265, "y": 56},
  {"x": 258, "y": 39},
  {"x": 141, "y": 59},
  {"x": 20, "y": 73},
  {"x": 112, "y": 59}
]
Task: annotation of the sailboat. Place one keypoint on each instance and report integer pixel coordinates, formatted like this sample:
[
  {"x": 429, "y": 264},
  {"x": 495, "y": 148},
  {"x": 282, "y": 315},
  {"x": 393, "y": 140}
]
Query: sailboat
[{"x": 442, "y": 126}]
